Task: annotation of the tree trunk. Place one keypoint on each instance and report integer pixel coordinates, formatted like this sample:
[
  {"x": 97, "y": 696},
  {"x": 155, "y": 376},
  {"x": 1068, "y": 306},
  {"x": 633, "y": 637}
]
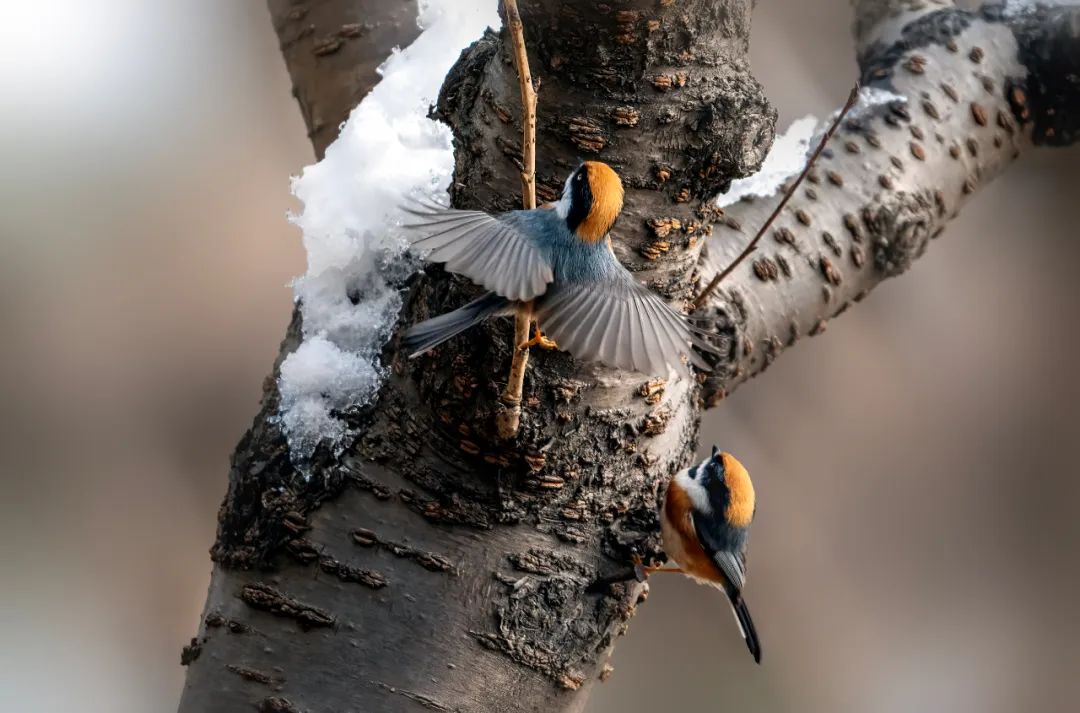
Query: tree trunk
[{"x": 432, "y": 567}]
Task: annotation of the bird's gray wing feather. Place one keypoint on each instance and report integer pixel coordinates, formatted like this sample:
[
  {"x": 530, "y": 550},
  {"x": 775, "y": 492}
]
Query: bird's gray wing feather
[
  {"x": 620, "y": 322},
  {"x": 717, "y": 542},
  {"x": 734, "y": 568},
  {"x": 490, "y": 251}
]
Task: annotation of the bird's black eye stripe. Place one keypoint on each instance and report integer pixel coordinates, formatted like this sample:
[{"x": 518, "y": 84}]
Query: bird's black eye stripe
[{"x": 581, "y": 199}]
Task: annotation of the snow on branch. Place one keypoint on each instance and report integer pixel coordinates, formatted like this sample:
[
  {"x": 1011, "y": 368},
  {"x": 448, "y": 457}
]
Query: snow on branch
[
  {"x": 784, "y": 160},
  {"x": 350, "y": 295},
  {"x": 789, "y": 151}
]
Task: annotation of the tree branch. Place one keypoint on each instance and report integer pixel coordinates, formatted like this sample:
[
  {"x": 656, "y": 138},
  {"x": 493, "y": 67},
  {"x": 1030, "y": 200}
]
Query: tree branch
[
  {"x": 332, "y": 50},
  {"x": 978, "y": 89}
]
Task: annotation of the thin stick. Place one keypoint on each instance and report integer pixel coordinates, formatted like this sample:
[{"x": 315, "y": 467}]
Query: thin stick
[
  {"x": 528, "y": 105},
  {"x": 700, "y": 299},
  {"x": 512, "y": 395},
  {"x": 508, "y": 416}
]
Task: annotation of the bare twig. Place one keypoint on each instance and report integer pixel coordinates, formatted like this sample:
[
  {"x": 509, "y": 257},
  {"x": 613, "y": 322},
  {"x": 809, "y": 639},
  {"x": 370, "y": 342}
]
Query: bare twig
[
  {"x": 700, "y": 299},
  {"x": 528, "y": 105},
  {"x": 508, "y": 417}
]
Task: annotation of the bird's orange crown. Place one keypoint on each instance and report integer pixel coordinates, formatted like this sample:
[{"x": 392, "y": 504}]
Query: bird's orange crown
[
  {"x": 595, "y": 194},
  {"x": 740, "y": 507}
]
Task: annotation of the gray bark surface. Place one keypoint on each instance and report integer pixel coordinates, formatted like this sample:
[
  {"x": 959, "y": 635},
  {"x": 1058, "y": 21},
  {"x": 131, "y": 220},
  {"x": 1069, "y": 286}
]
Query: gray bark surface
[{"x": 432, "y": 568}]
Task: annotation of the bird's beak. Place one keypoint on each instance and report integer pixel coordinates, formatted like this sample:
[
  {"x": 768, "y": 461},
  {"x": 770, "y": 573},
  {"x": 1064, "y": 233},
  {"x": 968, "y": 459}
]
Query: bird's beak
[{"x": 715, "y": 451}]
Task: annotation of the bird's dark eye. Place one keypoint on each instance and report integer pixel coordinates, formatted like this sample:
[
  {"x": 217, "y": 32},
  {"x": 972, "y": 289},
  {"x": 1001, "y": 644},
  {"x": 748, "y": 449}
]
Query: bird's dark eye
[{"x": 578, "y": 178}]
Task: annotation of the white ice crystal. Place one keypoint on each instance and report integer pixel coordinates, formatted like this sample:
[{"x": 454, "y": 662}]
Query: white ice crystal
[
  {"x": 790, "y": 150},
  {"x": 350, "y": 295}
]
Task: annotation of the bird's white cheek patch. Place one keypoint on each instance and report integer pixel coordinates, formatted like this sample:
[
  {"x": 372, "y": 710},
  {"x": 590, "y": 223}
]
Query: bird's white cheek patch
[
  {"x": 562, "y": 207},
  {"x": 697, "y": 494}
]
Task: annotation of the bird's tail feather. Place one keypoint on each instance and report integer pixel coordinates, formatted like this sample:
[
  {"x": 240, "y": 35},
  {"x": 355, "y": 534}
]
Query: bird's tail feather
[
  {"x": 746, "y": 625},
  {"x": 432, "y": 332}
]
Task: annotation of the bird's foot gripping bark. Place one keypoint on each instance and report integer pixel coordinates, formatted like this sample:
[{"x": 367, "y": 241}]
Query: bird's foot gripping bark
[
  {"x": 642, "y": 571},
  {"x": 539, "y": 340}
]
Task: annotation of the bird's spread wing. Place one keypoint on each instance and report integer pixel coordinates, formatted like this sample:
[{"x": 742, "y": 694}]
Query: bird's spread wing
[
  {"x": 489, "y": 251},
  {"x": 719, "y": 544},
  {"x": 620, "y": 322}
]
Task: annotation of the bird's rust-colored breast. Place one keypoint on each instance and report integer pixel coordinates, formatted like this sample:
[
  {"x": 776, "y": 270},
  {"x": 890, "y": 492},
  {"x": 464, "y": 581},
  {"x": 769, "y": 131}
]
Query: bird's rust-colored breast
[
  {"x": 681, "y": 542},
  {"x": 607, "y": 201},
  {"x": 740, "y": 507}
]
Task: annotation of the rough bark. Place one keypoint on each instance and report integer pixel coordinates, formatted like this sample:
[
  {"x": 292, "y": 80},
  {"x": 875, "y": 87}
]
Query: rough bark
[
  {"x": 980, "y": 87},
  {"x": 431, "y": 568},
  {"x": 332, "y": 50}
]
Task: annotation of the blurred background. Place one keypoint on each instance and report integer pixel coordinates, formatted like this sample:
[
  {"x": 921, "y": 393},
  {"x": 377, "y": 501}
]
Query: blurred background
[{"x": 916, "y": 542}]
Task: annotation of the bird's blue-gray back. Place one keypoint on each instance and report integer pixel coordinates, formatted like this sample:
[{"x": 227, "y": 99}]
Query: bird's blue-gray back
[{"x": 572, "y": 260}]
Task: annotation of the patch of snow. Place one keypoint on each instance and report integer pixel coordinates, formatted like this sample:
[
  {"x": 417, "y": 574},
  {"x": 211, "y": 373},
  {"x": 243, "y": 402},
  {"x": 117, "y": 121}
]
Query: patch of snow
[
  {"x": 350, "y": 295},
  {"x": 790, "y": 150},
  {"x": 874, "y": 96},
  {"x": 319, "y": 379},
  {"x": 870, "y": 98},
  {"x": 786, "y": 158}
]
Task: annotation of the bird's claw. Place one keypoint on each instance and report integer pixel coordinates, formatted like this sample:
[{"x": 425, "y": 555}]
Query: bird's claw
[
  {"x": 641, "y": 572},
  {"x": 539, "y": 340}
]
